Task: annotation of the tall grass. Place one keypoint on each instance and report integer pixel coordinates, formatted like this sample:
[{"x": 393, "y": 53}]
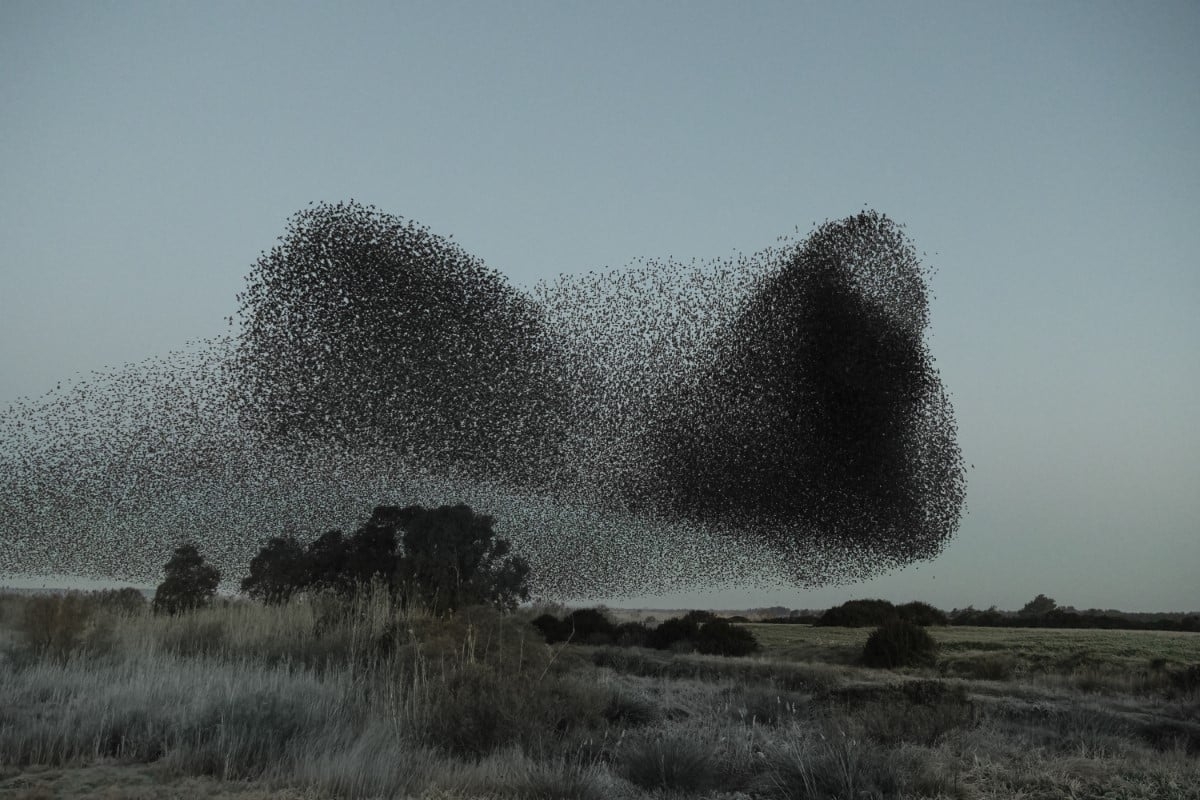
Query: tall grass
[
  {"x": 363, "y": 698},
  {"x": 367, "y": 698}
]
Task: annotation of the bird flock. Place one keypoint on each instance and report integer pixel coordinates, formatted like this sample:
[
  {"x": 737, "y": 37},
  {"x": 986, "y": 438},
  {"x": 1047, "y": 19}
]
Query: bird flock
[{"x": 765, "y": 419}]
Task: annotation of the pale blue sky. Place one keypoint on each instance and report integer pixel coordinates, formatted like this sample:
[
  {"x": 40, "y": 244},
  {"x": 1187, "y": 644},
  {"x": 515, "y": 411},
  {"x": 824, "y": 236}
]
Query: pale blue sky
[{"x": 1046, "y": 156}]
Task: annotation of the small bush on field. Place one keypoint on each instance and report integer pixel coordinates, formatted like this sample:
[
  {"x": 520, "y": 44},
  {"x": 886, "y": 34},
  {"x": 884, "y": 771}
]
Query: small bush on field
[
  {"x": 718, "y": 637},
  {"x": 671, "y": 632},
  {"x": 834, "y": 763},
  {"x": 591, "y": 626},
  {"x": 899, "y": 644},
  {"x": 674, "y": 762},
  {"x": 630, "y": 710}
]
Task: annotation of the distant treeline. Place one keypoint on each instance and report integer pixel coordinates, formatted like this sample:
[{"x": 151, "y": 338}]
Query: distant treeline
[{"x": 1041, "y": 612}]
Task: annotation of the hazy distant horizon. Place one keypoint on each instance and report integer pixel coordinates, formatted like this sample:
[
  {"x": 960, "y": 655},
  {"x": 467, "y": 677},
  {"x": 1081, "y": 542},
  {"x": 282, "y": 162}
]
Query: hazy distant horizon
[{"x": 817, "y": 600}]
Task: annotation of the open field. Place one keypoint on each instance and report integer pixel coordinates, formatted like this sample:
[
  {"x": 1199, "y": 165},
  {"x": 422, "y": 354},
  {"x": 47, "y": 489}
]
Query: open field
[
  {"x": 320, "y": 699},
  {"x": 1028, "y": 651}
]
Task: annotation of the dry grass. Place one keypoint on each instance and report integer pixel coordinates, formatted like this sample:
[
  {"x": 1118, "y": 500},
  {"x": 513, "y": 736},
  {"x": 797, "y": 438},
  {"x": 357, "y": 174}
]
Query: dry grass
[{"x": 316, "y": 699}]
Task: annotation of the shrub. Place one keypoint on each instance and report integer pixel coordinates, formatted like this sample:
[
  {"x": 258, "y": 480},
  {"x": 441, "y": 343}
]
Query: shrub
[
  {"x": 858, "y": 614},
  {"x": 718, "y": 637},
  {"x": 835, "y": 763},
  {"x": 673, "y": 762},
  {"x": 552, "y": 628},
  {"x": 673, "y": 632},
  {"x": 898, "y": 643},
  {"x": 630, "y": 709},
  {"x": 590, "y": 625},
  {"x": 922, "y": 614}
]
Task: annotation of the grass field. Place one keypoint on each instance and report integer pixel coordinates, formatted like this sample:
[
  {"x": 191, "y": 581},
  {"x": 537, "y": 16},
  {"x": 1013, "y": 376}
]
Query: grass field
[
  {"x": 321, "y": 699},
  {"x": 1032, "y": 650}
]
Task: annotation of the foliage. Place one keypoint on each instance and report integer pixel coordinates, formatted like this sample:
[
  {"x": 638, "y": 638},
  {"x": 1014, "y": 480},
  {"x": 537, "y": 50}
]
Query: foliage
[
  {"x": 452, "y": 558},
  {"x": 922, "y": 614},
  {"x": 721, "y": 638},
  {"x": 590, "y": 626},
  {"x": 277, "y": 572},
  {"x": 553, "y": 629},
  {"x": 858, "y": 614},
  {"x": 672, "y": 632},
  {"x": 189, "y": 582},
  {"x": 899, "y": 643},
  {"x": 1038, "y": 606},
  {"x": 872, "y": 613},
  {"x": 702, "y": 631},
  {"x": 441, "y": 559}
]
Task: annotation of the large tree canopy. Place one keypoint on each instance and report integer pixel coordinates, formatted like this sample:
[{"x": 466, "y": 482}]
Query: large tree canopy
[{"x": 442, "y": 558}]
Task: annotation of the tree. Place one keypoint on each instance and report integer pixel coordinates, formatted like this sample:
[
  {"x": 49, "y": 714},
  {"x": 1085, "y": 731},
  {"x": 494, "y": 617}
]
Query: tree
[
  {"x": 189, "y": 582},
  {"x": 453, "y": 559},
  {"x": 444, "y": 558},
  {"x": 1038, "y": 606},
  {"x": 277, "y": 572}
]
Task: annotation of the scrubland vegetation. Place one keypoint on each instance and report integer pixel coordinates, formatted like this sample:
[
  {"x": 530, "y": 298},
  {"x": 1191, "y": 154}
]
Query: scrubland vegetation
[{"x": 362, "y": 696}]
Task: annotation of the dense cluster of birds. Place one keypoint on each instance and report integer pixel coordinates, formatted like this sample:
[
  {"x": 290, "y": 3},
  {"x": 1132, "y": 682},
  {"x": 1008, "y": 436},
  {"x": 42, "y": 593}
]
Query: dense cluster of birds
[{"x": 755, "y": 420}]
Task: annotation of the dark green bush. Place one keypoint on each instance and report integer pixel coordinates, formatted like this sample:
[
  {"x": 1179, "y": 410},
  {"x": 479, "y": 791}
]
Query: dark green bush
[
  {"x": 673, "y": 632},
  {"x": 718, "y": 637},
  {"x": 552, "y": 628},
  {"x": 591, "y": 626},
  {"x": 898, "y": 643},
  {"x": 922, "y": 613},
  {"x": 858, "y": 614}
]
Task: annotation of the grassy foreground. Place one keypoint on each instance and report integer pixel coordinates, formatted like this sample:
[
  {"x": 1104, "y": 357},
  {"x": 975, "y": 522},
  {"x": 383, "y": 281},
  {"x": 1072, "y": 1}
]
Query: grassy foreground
[{"x": 321, "y": 699}]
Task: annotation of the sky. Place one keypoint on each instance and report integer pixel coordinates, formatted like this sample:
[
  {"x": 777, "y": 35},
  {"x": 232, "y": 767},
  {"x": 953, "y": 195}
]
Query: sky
[{"x": 1045, "y": 157}]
